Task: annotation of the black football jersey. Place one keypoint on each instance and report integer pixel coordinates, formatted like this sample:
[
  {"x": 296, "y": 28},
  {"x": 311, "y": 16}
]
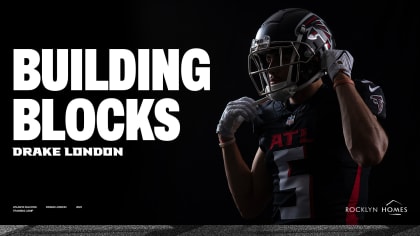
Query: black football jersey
[{"x": 315, "y": 180}]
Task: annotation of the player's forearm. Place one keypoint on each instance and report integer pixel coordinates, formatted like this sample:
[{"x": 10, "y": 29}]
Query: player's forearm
[
  {"x": 240, "y": 181},
  {"x": 365, "y": 138}
]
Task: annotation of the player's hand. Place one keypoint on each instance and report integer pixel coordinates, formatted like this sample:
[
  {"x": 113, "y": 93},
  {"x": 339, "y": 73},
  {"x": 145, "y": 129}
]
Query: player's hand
[
  {"x": 337, "y": 60},
  {"x": 237, "y": 111}
]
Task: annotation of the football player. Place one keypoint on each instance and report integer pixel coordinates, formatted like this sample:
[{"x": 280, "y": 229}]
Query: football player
[{"x": 319, "y": 129}]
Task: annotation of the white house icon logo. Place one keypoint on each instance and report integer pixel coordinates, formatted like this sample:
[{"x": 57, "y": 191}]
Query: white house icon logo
[{"x": 394, "y": 208}]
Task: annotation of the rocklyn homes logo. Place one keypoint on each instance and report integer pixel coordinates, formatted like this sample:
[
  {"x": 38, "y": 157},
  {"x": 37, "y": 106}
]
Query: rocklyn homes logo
[{"x": 393, "y": 207}]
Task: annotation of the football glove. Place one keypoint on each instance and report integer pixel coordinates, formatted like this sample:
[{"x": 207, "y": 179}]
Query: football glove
[
  {"x": 237, "y": 111},
  {"x": 337, "y": 60}
]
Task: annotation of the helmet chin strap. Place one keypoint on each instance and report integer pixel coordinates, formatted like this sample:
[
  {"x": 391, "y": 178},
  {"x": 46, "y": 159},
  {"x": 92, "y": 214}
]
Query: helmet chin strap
[
  {"x": 281, "y": 91},
  {"x": 284, "y": 90}
]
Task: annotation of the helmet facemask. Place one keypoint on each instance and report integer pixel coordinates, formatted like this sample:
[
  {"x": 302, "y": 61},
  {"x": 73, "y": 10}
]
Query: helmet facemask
[{"x": 291, "y": 59}]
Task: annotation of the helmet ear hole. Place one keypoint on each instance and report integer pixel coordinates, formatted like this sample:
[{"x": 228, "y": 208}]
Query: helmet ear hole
[
  {"x": 317, "y": 57},
  {"x": 307, "y": 54}
]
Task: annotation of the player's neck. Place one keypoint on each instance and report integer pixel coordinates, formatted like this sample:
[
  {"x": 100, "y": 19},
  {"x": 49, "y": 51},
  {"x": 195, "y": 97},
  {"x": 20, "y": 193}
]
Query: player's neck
[{"x": 304, "y": 94}]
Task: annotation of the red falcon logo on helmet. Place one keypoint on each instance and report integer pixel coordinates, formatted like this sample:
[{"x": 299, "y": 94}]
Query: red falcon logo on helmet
[{"x": 317, "y": 28}]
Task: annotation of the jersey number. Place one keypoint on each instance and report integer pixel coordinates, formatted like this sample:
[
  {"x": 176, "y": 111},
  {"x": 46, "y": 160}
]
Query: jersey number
[{"x": 299, "y": 183}]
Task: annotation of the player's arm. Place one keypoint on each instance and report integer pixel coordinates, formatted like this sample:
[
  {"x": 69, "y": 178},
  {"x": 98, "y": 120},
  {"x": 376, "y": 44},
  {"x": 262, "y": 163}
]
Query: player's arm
[
  {"x": 365, "y": 138},
  {"x": 250, "y": 188}
]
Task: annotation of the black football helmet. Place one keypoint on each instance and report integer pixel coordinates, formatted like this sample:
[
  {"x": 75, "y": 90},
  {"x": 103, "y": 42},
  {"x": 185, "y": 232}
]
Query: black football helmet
[{"x": 297, "y": 37}]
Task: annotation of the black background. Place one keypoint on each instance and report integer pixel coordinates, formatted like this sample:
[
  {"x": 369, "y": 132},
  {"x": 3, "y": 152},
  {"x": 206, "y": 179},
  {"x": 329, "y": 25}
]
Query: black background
[{"x": 183, "y": 181}]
